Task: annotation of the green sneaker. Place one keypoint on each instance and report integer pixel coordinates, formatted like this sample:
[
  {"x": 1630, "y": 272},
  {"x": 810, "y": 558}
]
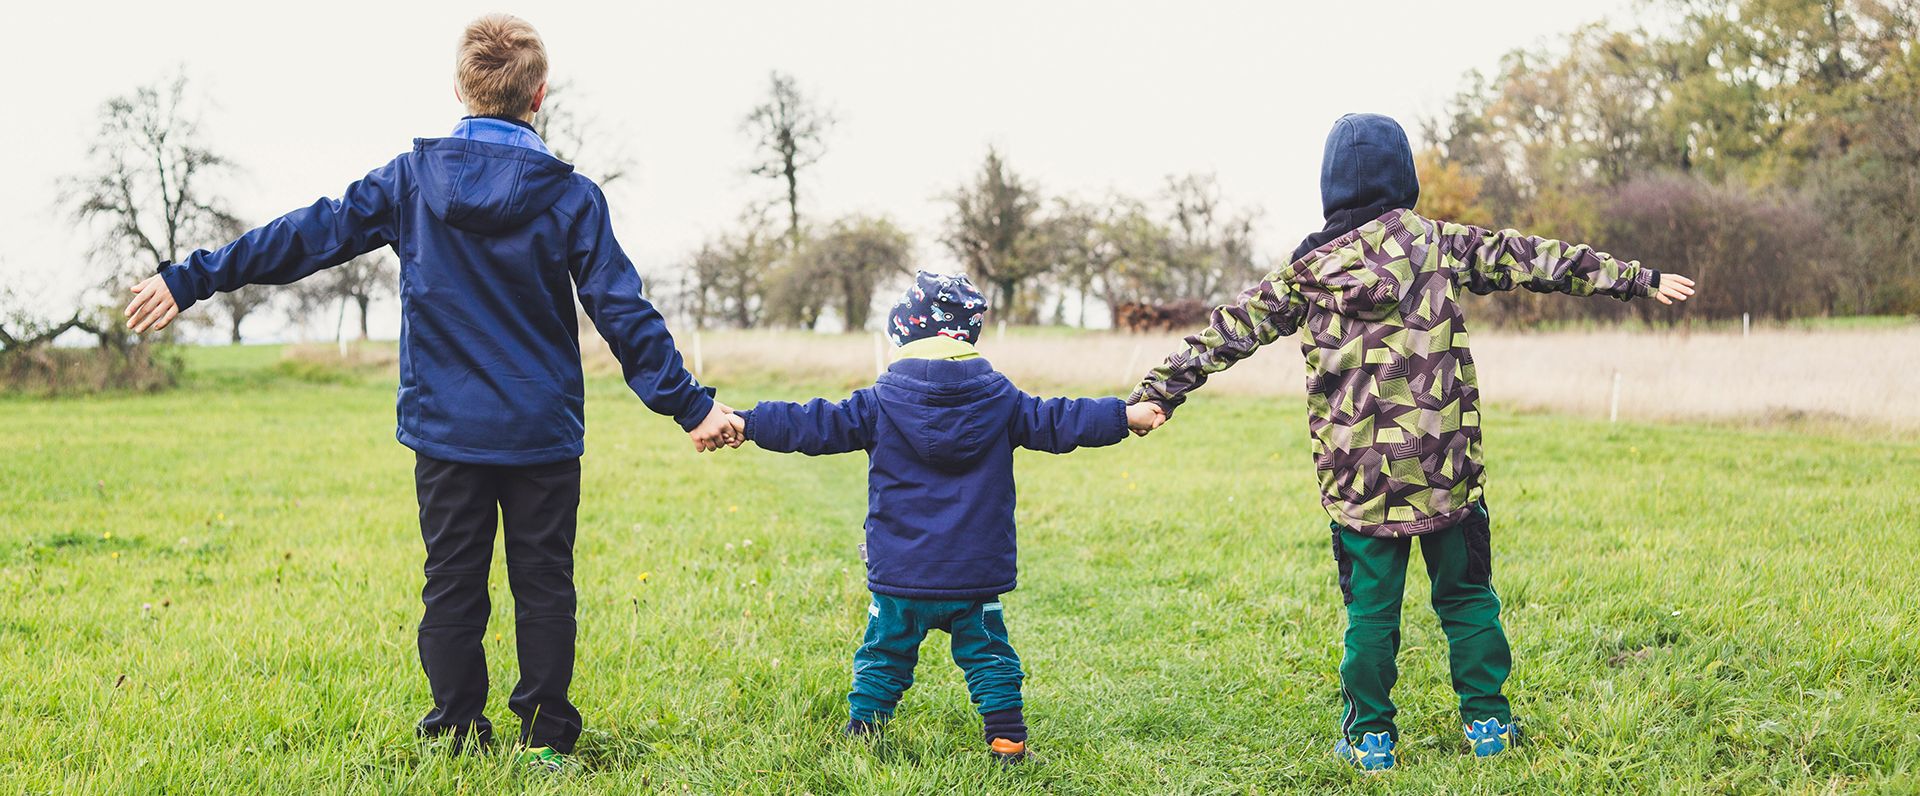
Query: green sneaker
[{"x": 544, "y": 758}]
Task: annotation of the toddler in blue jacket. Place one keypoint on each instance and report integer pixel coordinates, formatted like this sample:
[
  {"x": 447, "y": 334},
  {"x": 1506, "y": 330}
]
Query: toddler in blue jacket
[
  {"x": 939, "y": 429},
  {"x": 493, "y": 234}
]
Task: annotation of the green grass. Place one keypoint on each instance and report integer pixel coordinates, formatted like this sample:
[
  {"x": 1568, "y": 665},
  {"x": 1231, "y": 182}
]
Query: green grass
[{"x": 215, "y": 589}]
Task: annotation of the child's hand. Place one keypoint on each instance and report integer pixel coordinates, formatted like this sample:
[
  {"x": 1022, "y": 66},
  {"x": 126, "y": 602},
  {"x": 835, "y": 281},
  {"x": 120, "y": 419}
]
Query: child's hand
[
  {"x": 716, "y": 431},
  {"x": 1674, "y": 287},
  {"x": 737, "y": 426},
  {"x": 152, "y": 307},
  {"x": 1144, "y": 417}
]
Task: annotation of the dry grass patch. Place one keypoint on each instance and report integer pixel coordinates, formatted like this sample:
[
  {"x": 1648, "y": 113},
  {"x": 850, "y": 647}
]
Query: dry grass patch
[{"x": 1851, "y": 377}]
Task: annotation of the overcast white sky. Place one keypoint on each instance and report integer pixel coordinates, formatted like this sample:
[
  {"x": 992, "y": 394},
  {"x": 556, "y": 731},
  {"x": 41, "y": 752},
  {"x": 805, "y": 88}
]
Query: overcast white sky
[{"x": 1083, "y": 97}]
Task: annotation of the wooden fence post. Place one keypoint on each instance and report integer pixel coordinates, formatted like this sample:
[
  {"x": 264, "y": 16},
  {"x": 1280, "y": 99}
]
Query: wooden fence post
[{"x": 1613, "y": 410}]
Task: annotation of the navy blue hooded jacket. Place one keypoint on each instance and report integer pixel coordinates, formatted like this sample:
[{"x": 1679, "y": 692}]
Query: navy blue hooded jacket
[
  {"x": 939, "y": 437},
  {"x": 1366, "y": 170},
  {"x": 492, "y": 241}
]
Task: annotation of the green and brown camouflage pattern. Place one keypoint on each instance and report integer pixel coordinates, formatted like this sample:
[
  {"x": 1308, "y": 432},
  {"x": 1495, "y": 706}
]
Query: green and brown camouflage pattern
[{"x": 1392, "y": 401}]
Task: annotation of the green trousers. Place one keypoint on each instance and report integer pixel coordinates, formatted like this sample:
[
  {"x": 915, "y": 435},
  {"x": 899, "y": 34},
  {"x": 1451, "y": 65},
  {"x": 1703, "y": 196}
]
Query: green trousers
[
  {"x": 1373, "y": 579},
  {"x": 883, "y": 666}
]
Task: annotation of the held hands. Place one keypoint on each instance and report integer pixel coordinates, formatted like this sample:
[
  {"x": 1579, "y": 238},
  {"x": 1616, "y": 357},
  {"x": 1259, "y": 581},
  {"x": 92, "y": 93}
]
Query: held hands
[
  {"x": 720, "y": 429},
  {"x": 1144, "y": 417},
  {"x": 1674, "y": 287},
  {"x": 152, "y": 307}
]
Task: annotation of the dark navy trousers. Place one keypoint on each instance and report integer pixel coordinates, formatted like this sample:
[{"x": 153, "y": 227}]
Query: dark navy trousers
[{"x": 538, "y": 507}]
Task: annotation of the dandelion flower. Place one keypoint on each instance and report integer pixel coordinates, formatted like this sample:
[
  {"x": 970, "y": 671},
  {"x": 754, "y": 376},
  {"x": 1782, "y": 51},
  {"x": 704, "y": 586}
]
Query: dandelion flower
[
  {"x": 116, "y": 554},
  {"x": 644, "y": 576},
  {"x": 107, "y": 535}
]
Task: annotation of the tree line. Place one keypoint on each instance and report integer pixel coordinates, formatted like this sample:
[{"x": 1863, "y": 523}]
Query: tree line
[
  {"x": 1769, "y": 147},
  {"x": 1041, "y": 258}
]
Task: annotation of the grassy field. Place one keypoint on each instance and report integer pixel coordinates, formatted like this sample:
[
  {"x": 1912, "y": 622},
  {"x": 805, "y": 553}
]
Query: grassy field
[{"x": 215, "y": 590}]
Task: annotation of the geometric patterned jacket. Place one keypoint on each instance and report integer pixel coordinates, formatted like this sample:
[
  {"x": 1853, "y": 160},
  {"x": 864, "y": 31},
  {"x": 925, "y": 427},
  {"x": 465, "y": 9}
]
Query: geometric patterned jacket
[{"x": 1392, "y": 402}]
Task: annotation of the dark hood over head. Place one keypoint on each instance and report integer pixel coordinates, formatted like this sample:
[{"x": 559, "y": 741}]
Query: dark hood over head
[
  {"x": 1367, "y": 170},
  {"x": 487, "y": 188},
  {"x": 951, "y": 411}
]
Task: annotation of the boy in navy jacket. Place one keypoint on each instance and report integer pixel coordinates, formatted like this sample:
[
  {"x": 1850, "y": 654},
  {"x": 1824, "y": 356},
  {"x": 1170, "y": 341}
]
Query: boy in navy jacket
[
  {"x": 939, "y": 429},
  {"x": 493, "y": 235}
]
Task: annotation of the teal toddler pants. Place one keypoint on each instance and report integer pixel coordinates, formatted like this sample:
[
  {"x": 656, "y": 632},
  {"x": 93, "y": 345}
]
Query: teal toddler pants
[{"x": 883, "y": 666}]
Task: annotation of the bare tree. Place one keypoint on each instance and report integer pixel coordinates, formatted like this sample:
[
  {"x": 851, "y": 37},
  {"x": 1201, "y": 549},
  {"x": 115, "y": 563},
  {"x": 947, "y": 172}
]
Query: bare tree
[
  {"x": 992, "y": 232},
  {"x": 358, "y": 282},
  {"x": 1212, "y": 256},
  {"x": 789, "y": 133},
  {"x": 581, "y": 138},
  {"x": 233, "y": 308},
  {"x": 149, "y": 190},
  {"x": 230, "y": 310}
]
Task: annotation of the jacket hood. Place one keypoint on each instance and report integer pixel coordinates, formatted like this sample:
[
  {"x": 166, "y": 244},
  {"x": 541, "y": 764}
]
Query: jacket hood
[
  {"x": 1366, "y": 171},
  {"x": 952, "y": 411},
  {"x": 486, "y": 188},
  {"x": 1368, "y": 163}
]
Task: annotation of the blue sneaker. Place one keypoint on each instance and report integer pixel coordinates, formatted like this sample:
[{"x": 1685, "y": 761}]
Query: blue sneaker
[
  {"x": 1489, "y": 737},
  {"x": 1374, "y": 753}
]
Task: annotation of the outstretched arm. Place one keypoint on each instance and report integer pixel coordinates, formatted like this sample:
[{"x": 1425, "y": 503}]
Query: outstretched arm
[
  {"x": 1484, "y": 261},
  {"x": 326, "y": 234},
  {"x": 817, "y": 427},
  {"x": 1264, "y": 313},
  {"x": 610, "y": 291},
  {"x": 1058, "y": 425}
]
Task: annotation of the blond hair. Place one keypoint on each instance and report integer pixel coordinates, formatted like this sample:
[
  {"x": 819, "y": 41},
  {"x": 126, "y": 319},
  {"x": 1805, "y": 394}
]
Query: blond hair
[{"x": 500, "y": 66}]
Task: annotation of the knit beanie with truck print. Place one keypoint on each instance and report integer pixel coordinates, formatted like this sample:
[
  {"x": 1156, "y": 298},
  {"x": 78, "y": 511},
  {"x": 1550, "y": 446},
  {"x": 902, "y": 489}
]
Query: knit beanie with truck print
[{"x": 937, "y": 304}]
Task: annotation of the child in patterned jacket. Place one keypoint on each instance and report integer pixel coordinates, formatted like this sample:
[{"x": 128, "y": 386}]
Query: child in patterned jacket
[
  {"x": 939, "y": 429},
  {"x": 1392, "y": 405}
]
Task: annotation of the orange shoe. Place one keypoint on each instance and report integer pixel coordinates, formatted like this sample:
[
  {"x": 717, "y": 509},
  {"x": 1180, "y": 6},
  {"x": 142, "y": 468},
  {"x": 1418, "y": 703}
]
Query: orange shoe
[{"x": 1007, "y": 751}]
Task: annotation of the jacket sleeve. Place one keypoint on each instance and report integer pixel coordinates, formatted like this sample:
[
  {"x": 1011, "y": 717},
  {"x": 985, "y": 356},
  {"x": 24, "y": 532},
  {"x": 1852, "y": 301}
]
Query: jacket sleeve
[
  {"x": 815, "y": 428},
  {"x": 1264, "y": 313},
  {"x": 610, "y": 291},
  {"x": 1058, "y": 425},
  {"x": 293, "y": 246},
  {"x": 1484, "y": 261}
]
